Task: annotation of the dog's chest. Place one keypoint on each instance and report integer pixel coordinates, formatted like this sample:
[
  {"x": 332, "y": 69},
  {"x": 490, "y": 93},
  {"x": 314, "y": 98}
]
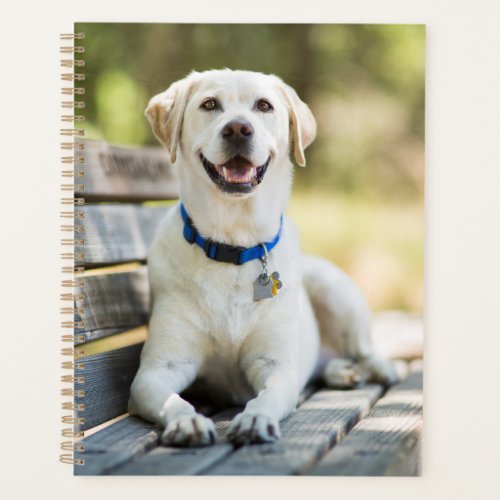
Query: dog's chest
[
  {"x": 225, "y": 296},
  {"x": 230, "y": 316}
]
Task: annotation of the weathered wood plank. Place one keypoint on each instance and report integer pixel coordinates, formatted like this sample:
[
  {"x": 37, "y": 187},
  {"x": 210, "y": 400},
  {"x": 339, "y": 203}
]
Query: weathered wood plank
[
  {"x": 116, "y": 445},
  {"x": 306, "y": 435},
  {"x": 386, "y": 442},
  {"x": 109, "y": 450},
  {"x": 189, "y": 461},
  {"x": 108, "y": 377},
  {"x": 116, "y": 233},
  {"x": 163, "y": 461},
  {"x": 112, "y": 303},
  {"x": 115, "y": 173}
]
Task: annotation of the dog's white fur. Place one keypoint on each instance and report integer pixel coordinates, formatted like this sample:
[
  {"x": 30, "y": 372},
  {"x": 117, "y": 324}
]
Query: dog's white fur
[{"x": 205, "y": 324}]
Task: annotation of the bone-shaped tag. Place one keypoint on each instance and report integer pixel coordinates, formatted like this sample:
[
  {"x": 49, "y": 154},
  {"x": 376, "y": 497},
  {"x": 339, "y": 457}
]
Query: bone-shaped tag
[{"x": 277, "y": 284}]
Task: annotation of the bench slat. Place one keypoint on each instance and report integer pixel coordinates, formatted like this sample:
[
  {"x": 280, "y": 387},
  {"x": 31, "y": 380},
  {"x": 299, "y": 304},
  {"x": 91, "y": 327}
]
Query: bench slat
[
  {"x": 178, "y": 461},
  {"x": 116, "y": 233},
  {"x": 307, "y": 433},
  {"x": 387, "y": 441},
  {"x": 113, "y": 303},
  {"x": 116, "y": 445},
  {"x": 108, "y": 377},
  {"x": 114, "y": 173},
  {"x": 163, "y": 461}
]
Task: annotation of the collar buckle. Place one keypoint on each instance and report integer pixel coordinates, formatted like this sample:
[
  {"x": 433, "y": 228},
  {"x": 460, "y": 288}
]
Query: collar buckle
[{"x": 222, "y": 252}]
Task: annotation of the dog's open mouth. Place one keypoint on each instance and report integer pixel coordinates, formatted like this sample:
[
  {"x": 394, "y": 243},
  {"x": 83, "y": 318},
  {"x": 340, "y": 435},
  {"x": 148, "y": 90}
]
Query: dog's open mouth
[{"x": 238, "y": 175}]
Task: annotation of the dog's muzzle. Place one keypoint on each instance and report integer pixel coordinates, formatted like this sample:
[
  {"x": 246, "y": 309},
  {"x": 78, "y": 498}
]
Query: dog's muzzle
[{"x": 237, "y": 175}]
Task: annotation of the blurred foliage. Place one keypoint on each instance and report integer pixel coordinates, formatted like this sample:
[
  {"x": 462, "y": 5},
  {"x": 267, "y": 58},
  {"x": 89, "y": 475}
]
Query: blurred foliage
[
  {"x": 364, "y": 84},
  {"x": 377, "y": 242}
]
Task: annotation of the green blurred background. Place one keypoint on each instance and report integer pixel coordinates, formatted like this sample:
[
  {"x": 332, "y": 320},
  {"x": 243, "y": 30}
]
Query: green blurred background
[{"x": 359, "y": 202}]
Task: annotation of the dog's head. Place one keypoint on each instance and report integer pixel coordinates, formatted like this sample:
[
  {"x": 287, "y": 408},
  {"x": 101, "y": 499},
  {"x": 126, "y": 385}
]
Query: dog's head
[{"x": 231, "y": 126}]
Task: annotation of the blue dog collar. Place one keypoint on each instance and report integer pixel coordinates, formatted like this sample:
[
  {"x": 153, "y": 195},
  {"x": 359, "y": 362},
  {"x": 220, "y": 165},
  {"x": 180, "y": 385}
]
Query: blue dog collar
[{"x": 222, "y": 252}]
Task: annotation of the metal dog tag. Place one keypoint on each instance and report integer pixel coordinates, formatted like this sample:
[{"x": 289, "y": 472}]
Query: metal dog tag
[{"x": 266, "y": 287}]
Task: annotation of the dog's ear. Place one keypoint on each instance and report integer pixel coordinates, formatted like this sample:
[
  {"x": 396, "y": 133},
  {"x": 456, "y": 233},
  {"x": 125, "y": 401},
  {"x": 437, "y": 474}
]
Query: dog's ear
[
  {"x": 302, "y": 123},
  {"x": 165, "y": 112}
]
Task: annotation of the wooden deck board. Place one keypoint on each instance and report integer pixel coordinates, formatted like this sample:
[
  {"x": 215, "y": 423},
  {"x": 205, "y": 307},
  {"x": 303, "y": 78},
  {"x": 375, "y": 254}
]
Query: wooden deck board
[
  {"x": 306, "y": 435},
  {"x": 386, "y": 442},
  {"x": 116, "y": 445},
  {"x": 105, "y": 454},
  {"x": 167, "y": 461}
]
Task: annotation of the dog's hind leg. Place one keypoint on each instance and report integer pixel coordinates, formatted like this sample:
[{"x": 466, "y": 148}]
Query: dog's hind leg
[{"x": 344, "y": 321}]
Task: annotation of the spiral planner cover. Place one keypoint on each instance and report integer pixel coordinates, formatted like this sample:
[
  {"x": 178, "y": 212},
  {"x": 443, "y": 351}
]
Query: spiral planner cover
[{"x": 351, "y": 103}]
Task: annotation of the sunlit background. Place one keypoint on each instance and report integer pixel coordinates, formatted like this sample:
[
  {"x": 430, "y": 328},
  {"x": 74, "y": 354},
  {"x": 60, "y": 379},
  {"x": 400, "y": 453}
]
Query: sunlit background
[{"x": 359, "y": 202}]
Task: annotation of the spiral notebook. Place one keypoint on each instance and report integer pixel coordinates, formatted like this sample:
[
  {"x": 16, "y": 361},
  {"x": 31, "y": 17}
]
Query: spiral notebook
[{"x": 120, "y": 179}]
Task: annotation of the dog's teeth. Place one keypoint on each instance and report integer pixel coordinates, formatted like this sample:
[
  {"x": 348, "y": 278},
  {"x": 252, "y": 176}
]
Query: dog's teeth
[{"x": 231, "y": 176}]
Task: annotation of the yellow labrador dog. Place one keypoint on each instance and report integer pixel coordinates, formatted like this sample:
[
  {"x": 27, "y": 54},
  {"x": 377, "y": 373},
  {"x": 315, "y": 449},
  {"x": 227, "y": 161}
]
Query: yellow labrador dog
[{"x": 236, "y": 306}]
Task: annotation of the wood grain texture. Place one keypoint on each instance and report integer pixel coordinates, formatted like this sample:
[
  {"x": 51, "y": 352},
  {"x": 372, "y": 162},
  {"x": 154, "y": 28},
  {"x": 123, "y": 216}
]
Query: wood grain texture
[
  {"x": 113, "y": 303},
  {"x": 123, "y": 448},
  {"x": 168, "y": 461},
  {"x": 164, "y": 460},
  {"x": 116, "y": 445},
  {"x": 116, "y": 233},
  {"x": 386, "y": 442},
  {"x": 114, "y": 173},
  {"x": 108, "y": 377},
  {"x": 307, "y": 434}
]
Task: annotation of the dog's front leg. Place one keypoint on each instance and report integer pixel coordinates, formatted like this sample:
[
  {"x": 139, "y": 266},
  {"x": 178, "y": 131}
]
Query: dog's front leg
[
  {"x": 155, "y": 397},
  {"x": 169, "y": 364},
  {"x": 275, "y": 381}
]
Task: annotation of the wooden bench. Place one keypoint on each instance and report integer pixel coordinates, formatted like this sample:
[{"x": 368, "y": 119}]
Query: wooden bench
[{"x": 365, "y": 431}]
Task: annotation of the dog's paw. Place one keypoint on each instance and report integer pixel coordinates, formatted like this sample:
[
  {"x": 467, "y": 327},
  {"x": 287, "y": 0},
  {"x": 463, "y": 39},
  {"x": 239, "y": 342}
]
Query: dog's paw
[
  {"x": 342, "y": 373},
  {"x": 189, "y": 430},
  {"x": 380, "y": 370},
  {"x": 253, "y": 428}
]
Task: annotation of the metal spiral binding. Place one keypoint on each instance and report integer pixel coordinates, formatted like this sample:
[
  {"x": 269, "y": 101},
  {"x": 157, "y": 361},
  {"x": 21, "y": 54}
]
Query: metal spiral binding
[{"x": 72, "y": 158}]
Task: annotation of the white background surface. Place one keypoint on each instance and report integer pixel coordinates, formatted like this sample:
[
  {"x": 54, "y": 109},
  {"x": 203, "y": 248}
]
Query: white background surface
[{"x": 462, "y": 407}]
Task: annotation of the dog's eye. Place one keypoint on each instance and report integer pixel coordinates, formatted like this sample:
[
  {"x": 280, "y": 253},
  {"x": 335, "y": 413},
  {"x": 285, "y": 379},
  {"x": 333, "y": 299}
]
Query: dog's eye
[
  {"x": 263, "y": 105},
  {"x": 209, "y": 104}
]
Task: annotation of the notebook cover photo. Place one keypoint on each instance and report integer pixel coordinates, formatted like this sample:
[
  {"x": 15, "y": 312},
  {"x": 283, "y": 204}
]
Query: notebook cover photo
[{"x": 242, "y": 210}]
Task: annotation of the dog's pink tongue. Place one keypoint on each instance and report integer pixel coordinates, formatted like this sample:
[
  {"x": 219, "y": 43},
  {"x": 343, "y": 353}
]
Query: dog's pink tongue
[{"x": 237, "y": 170}]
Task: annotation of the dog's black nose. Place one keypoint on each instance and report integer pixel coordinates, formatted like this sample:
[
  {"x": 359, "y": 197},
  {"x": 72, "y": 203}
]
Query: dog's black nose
[{"x": 237, "y": 131}]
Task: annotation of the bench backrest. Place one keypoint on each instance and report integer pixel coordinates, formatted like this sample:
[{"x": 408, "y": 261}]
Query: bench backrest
[{"x": 114, "y": 229}]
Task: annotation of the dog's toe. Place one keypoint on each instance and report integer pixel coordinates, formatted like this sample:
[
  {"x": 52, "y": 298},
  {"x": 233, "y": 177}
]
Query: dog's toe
[
  {"x": 251, "y": 428},
  {"x": 194, "y": 430},
  {"x": 342, "y": 373},
  {"x": 381, "y": 370}
]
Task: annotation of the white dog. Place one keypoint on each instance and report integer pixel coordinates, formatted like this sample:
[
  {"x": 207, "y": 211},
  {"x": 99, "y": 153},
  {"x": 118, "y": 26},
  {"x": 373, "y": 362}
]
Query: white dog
[{"x": 220, "y": 316}]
